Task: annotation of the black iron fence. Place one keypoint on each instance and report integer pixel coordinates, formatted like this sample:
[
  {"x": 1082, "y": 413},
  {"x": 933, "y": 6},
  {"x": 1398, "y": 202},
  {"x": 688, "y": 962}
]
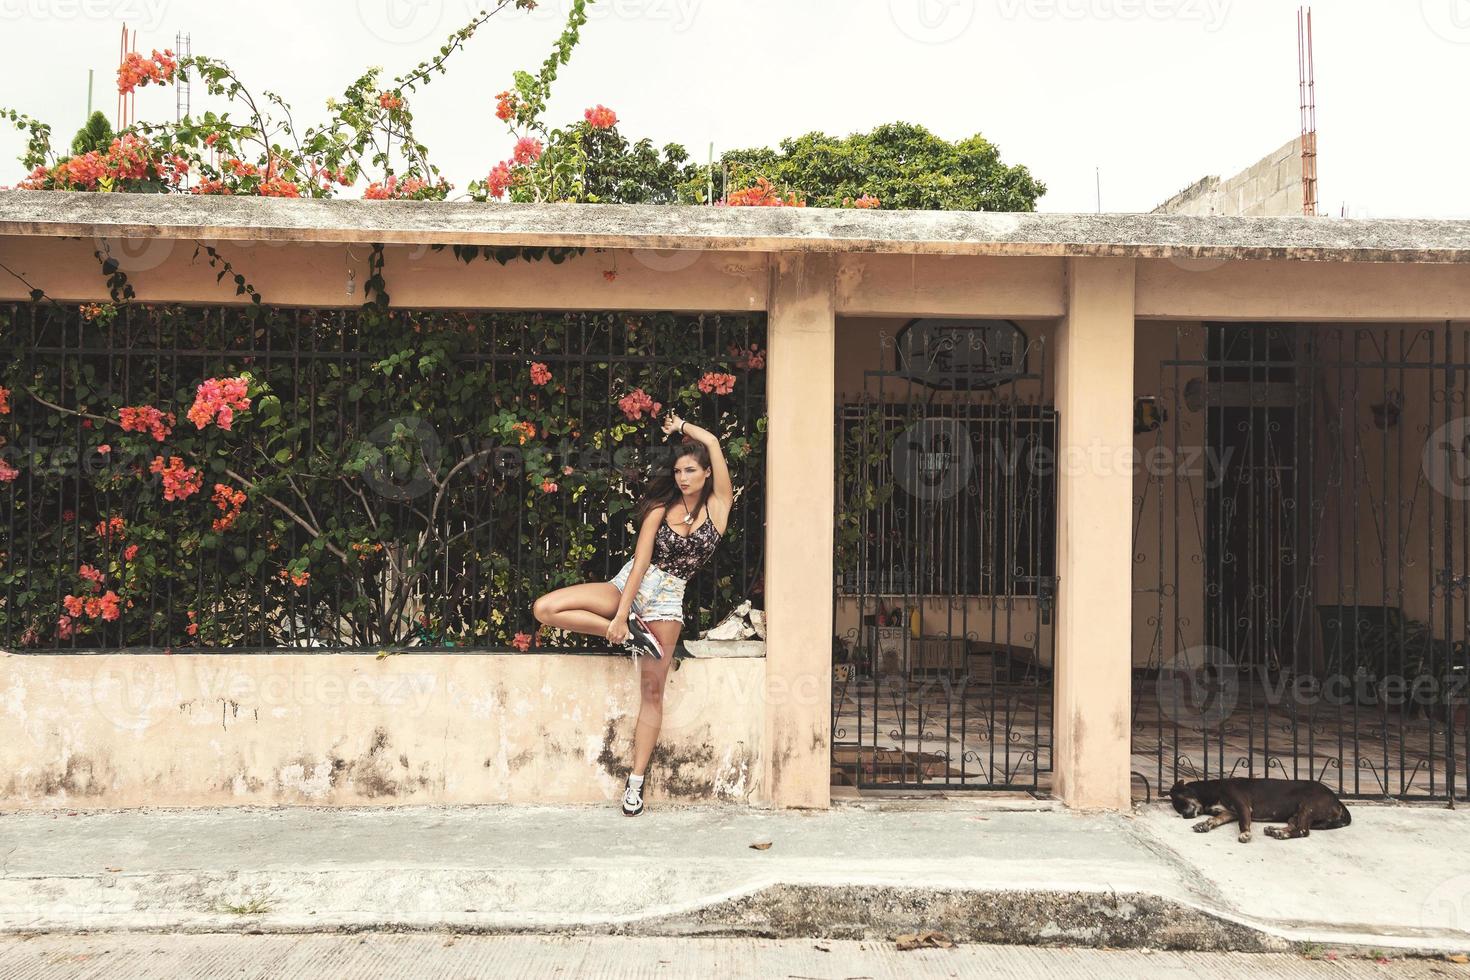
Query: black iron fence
[
  {"x": 1301, "y": 557},
  {"x": 946, "y": 526},
  {"x": 236, "y": 478}
]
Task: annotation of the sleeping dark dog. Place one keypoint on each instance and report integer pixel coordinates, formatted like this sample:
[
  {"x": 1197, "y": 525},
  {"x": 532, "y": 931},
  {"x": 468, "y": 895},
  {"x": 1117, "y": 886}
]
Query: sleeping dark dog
[{"x": 1305, "y": 804}]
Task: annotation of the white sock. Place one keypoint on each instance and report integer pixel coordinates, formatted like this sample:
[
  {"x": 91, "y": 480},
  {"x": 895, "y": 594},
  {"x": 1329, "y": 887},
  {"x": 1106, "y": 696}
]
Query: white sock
[{"x": 635, "y": 781}]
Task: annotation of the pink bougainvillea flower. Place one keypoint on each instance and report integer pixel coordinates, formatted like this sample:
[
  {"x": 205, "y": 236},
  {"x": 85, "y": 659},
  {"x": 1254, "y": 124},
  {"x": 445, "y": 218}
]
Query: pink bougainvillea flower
[
  {"x": 717, "y": 383},
  {"x": 522, "y": 642},
  {"x": 866, "y": 201},
  {"x": 130, "y": 552},
  {"x": 90, "y": 573},
  {"x": 392, "y": 187},
  {"x": 540, "y": 373},
  {"x": 499, "y": 180},
  {"x": 217, "y": 400},
  {"x": 104, "y": 449},
  {"x": 635, "y": 403},
  {"x": 7, "y": 472},
  {"x": 179, "y": 481},
  {"x": 547, "y": 486},
  {"x": 751, "y": 358},
  {"x": 107, "y": 605},
  {"x": 146, "y": 418},
  {"x": 527, "y": 151},
  {"x": 601, "y": 117}
]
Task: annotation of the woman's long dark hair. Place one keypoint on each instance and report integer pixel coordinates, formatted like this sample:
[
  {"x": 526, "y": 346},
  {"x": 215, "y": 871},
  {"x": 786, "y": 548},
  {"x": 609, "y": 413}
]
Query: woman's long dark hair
[{"x": 663, "y": 490}]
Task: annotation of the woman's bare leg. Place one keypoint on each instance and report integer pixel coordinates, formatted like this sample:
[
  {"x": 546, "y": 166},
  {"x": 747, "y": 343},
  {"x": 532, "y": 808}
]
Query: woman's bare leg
[
  {"x": 586, "y": 608},
  {"x": 652, "y": 677}
]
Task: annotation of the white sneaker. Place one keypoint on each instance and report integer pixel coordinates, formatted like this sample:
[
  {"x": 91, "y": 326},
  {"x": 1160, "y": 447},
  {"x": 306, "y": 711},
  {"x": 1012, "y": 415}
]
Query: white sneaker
[{"x": 632, "y": 800}]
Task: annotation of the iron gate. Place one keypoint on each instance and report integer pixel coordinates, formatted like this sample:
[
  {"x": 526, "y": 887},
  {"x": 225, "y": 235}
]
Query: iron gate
[
  {"x": 1301, "y": 544},
  {"x": 945, "y": 562}
]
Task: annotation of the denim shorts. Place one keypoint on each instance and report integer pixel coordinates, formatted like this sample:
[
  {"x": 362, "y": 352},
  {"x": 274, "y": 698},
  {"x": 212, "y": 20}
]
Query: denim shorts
[{"x": 660, "y": 594}]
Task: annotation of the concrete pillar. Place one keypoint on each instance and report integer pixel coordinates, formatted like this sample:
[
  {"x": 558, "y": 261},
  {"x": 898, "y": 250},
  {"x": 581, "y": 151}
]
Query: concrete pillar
[
  {"x": 1094, "y": 397},
  {"x": 799, "y": 575}
]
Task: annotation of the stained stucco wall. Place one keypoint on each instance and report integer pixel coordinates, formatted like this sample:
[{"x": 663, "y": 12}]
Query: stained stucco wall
[{"x": 111, "y": 730}]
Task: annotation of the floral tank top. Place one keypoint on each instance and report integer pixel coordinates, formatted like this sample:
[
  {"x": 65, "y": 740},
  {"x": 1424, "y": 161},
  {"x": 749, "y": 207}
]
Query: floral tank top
[{"x": 681, "y": 555}]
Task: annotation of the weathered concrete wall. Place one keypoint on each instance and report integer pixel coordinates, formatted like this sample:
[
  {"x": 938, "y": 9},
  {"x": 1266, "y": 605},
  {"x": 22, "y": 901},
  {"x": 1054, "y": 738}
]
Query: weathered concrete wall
[
  {"x": 191, "y": 730},
  {"x": 1272, "y": 186}
]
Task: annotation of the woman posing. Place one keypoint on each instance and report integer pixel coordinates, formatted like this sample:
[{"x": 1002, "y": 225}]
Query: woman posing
[{"x": 681, "y": 517}]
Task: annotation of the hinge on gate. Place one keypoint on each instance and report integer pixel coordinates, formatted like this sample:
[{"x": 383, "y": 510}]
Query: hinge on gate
[{"x": 1046, "y": 591}]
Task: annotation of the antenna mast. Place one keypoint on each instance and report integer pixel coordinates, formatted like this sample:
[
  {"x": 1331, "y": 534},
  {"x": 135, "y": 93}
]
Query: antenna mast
[
  {"x": 1307, "y": 74},
  {"x": 183, "y": 49}
]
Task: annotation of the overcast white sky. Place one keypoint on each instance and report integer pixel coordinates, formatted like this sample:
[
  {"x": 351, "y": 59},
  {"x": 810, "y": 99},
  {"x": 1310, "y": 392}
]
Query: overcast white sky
[{"x": 1156, "y": 93}]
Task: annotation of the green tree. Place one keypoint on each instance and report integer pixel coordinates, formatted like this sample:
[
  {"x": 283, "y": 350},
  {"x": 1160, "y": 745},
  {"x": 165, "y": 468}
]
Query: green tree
[
  {"x": 633, "y": 173},
  {"x": 902, "y": 164},
  {"x": 97, "y": 134}
]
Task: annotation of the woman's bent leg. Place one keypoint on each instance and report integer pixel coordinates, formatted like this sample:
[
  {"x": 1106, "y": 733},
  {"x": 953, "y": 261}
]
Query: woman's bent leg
[{"x": 587, "y": 608}]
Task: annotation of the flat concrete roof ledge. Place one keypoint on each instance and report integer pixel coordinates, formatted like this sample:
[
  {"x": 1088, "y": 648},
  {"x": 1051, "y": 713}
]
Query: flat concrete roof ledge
[{"x": 90, "y": 215}]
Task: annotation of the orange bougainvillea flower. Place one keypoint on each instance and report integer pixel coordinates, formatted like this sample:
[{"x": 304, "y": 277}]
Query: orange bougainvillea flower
[
  {"x": 179, "y": 481},
  {"x": 525, "y": 431},
  {"x": 112, "y": 529},
  {"x": 522, "y": 642},
  {"x": 278, "y": 187},
  {"x": 389, "y": 100},
  {"x": 762, "y": 195},
  {"x": 136, "y": 70},
  {"x": 145, "y": 418},
  {"x": 217, "y": 400},
  {"x": 4, "y": 400},
  {"x": 635, "y": 403},
  {"x": 601, "y": 117},
  {"x": 229, "y": 500},
  {"x": 540, "y": 373},
  {"x": 717, "y": 383},
  {"x": 547, "y": 486},
  {"x": 505, "y": 106},
  {"x": 209, "y": 185}
]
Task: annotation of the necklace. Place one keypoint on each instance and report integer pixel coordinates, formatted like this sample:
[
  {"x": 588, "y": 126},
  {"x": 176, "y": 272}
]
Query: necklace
[{"x": 688, "y": 517}]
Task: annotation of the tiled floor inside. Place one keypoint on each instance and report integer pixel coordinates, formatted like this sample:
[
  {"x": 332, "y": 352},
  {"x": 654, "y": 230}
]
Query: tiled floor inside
[{"x": 947, "y": 735}]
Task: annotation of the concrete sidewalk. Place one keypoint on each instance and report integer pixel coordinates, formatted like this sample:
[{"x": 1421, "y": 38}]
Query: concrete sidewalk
[{"x": 982, "y": 870}]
